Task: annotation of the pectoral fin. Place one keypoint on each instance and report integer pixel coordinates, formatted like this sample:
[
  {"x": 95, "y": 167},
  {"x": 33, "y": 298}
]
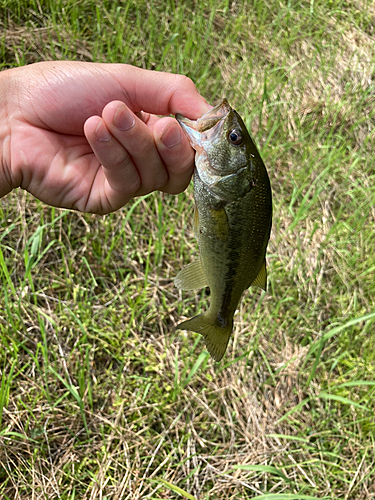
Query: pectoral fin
[
  {"x": 191, "y": 277},
  {"x": 261, "y": 279}
]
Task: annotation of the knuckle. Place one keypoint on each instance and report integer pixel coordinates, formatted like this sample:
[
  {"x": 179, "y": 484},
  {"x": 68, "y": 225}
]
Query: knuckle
[
  {"x": 140, "y": 148},
  {"x": 183, "y": 81},
  {"x": 132, "y": 185},
  {"x": 138, "y": 141},
  {"x": 183, "y": 166},
  {"x": 131, "y": 181},
  {"x": 161, "y": 180},
  {"x": 176, "y": 188}
]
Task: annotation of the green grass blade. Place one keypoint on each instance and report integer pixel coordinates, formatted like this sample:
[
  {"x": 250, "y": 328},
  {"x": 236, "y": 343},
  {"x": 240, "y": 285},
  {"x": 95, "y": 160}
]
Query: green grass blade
[
  {"x": 262, "y": 468},
  {"x": 340, "y": 399},
  {"x": 175, "y": 488},
  {"x": 339, "y": 329},
  {"x": 291, "y": 438},
  {"x": 287, "y": 496},
  {"x": 201, "y": 358},
  {"x": 74, "y": 392}
]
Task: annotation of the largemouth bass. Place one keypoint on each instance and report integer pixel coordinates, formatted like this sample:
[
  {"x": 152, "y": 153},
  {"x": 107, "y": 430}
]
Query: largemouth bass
[{"x": 232, "y": 221}]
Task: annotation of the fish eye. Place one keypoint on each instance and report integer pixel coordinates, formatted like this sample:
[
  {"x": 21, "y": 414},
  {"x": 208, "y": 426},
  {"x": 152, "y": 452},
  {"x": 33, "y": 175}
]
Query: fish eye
[{"x": 235, "y": 137}]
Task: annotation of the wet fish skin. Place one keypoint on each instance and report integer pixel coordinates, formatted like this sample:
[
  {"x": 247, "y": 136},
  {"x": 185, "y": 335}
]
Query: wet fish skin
[{"x": 232, "y": 221}]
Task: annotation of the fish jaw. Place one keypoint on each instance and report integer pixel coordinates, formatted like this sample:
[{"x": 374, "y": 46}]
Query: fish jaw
[
  {"x": 208, "y": 128},
  {"x": 226, "y": 168}
]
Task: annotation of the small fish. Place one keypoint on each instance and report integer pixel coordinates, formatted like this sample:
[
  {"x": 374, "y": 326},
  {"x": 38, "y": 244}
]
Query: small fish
[{"x": 232, "y": 221}]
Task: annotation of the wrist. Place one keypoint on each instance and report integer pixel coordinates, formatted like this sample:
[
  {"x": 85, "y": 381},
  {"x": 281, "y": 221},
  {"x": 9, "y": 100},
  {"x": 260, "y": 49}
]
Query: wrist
[{"x": 6, "y": 184}]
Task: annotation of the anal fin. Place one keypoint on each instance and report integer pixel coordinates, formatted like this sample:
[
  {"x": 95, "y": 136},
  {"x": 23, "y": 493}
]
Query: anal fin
[
  {"x": 191, "y": 277},
  {"x": 261, "y": 279}
]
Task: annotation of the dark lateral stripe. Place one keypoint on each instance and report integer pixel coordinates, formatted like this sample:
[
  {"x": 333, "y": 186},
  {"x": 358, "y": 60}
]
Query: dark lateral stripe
[{"x": 233, "y": 259}]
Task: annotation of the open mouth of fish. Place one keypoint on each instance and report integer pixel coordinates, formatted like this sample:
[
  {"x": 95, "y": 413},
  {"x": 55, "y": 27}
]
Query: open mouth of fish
[{"x": 208, "y": 127}]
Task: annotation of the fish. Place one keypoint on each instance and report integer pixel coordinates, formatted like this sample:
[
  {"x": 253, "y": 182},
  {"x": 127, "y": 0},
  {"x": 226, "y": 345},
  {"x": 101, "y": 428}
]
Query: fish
[{"x": 232, "y": 221}]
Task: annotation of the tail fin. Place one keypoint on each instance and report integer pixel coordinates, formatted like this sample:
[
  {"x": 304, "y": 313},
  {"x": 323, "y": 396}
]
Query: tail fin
[{"x": 216, "y": 336}]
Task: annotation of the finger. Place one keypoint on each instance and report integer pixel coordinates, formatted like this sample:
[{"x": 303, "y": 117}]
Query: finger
[
  {"x": 118, "y": 171},
  {"x": 145, "y": 117},
  {"x": 176, "y": 154},
  {"x": 138, "y": 145}
]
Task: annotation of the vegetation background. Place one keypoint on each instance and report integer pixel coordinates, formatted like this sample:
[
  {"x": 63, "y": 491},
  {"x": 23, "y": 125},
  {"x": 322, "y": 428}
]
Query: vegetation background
[{"x": 99, "y": 397}]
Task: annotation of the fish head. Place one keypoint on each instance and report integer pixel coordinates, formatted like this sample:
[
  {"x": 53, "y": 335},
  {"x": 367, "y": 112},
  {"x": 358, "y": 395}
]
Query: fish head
[{"x": 221, "y": 141}]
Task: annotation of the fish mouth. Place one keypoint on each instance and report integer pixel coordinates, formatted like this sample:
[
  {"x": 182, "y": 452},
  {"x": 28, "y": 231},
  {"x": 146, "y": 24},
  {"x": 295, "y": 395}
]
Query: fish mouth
[{"x": 207, "y": 123}]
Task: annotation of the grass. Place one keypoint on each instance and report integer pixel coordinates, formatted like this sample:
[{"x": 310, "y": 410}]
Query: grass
[{"x": 99, "y": 396}]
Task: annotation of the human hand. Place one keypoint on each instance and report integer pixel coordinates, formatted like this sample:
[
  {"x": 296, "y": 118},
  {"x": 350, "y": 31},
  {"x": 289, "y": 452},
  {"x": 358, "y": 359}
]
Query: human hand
[{"x": 87, "y": 136}]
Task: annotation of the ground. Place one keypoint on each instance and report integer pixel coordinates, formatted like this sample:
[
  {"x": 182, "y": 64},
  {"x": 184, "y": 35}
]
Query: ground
[{"x": 99, "y": 396}]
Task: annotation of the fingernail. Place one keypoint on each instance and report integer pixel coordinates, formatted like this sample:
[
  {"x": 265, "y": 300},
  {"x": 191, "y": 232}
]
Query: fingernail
[
  {"x": 102, "y": 133},
  {"x": 124, "y": 119},
  {"x": 171, "y": 136}
]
